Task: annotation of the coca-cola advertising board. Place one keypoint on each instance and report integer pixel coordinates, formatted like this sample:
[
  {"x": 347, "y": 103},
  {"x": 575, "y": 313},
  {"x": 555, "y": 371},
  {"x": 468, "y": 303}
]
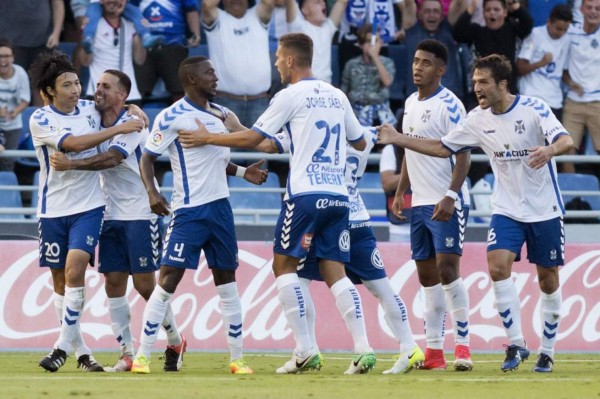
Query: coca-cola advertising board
[{"x": 28, "y": 319}]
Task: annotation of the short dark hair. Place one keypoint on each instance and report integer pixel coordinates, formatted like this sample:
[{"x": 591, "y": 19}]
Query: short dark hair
[
  {"x": 363, "y": 32},
  {"x": 561, "y": 12},
  {"x": 47, "y": 67},
  {"x": 188, "y": 62},
  {"x": 123, "y": 80},
  {"x": 498, "y": 65},
  {"x": 503, "y": 2},
  {"x": 5, "y": 43},
  {"x": 435, "y": 47},
  {"x": 301, "y": 45}
]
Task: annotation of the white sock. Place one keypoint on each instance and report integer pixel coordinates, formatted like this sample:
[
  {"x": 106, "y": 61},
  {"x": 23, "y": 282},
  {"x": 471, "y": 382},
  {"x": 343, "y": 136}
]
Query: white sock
[
  {"x": 154, "y": 314},
  {"x": 457, "y": 303},
  {"x": 231, "y": 311},
  {"x": 347, "y": 300},
  {"x": 291, "y": 298},
  {"x": 550, "y": 312},
  {"x": 73, "y": 308},
  {"x": 435, "y": 316},
  {"x": 509, "y": 308},
  {"x": 170, "y": 326},
  {"x": 311, "y": 315},
  {"x": 394, "y": 312},
  {"x": 78, "y": 343},
  {"x": 120, "y": 317}
]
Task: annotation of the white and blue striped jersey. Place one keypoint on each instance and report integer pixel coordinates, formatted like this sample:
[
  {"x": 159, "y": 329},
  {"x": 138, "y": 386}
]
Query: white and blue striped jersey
[
  {"x": 198, "y": 173},
  {"x": 544, "y": 82},
  {"x": 432, "y": 118},
  {"x": 71, "y": 191},
  {"x": 583, "y": 60},
  {"x": 319, "y": 119},
  {"x": 521, "y": 192},
  {"x": 356, "y": 163},
  {"x": 124, "y": 191}
]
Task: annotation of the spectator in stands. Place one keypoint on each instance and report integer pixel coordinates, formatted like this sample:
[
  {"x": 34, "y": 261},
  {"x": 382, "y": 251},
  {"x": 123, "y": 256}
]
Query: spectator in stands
[
  {"x": 504, "y": 24},
  {"x": 429, "y": 23},
  {"x": 15, "y": 95},
  {"x": 278, "y": 25},
  {"x": 312, "y": 20},
  {"x": 32, "y": 27},
  {"x": 172, "y": 19},
  {"x": 366, "y": 80},
  {"x": 360, "y": 12},
  {"x": 115, "y": 46},
  {"x": 542, "y": 58},
  {"x": 238, "y": 41},
  {"x": 582, "y": 105}
]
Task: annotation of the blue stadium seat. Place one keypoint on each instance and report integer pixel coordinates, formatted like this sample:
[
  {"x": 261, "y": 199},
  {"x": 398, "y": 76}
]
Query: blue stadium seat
[
  {"x": 373, "y": 201},
  {"x": 255, "y": 200},
  {"x": 10, "y": 198},
  {"x": 152, "y": 112},
  {"x": 202, "y": 49},
  {"x": 490, "y": 178},
  {"x": 582, "y": 182}
]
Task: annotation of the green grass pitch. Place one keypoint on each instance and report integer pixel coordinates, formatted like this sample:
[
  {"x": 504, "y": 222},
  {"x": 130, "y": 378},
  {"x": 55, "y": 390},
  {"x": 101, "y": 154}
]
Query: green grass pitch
[{"x": 206, "y": 375}]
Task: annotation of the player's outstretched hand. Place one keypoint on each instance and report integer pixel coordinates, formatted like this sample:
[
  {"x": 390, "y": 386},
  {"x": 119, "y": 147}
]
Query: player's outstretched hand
[
  {"x": 131, "y": 126},
  {"x": 539, "y": 156},
  {"x": 158, "y": 203},
  {"x": 193, "y": 138},
  {"x": 255, "y": 175},
  {"x": 60, "y": 161},
  {"x": 386, "y": 134},
  {"x": 232, "y": 122},
  {"x": 443, "y": 210},
  {"x": 134, "y": 110}
]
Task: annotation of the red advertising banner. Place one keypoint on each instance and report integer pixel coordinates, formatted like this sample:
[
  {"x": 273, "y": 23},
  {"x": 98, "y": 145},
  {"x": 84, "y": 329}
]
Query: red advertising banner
[{"x": 28, "y": 319}]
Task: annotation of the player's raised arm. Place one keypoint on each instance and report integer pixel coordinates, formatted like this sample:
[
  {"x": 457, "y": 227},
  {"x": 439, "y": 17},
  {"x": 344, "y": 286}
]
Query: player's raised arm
[
  {"x": 200, "y": 136},
  {"x": 434, "y": 148},
  {"x": 158, "y": 203}
]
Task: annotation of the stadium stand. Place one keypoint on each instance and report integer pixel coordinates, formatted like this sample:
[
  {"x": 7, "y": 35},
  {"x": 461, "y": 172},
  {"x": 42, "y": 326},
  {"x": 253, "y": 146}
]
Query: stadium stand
[{"x": 10, "y": 198}]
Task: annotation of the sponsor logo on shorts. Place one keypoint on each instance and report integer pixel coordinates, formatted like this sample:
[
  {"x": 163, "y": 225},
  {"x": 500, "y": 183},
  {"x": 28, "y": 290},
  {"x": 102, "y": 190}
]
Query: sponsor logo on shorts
[
  {"x": 325, "y": 203},
  {"x": 306, "y": 241},
  {"x": 376, "y": 259},
  {"x": 143, "y": 261},
  {"x": 449, "y": 242},
  {"x": 553, "y": 254},
  {"x": 344, "y": 241}
]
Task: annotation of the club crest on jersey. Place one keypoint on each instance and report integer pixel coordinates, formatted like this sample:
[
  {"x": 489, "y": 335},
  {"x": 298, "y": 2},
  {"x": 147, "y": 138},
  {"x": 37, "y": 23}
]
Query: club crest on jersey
[
  {"x": 426, "y": 116},
  {"x": 306, "y": 241},
  {"x": 91, "y": 122},
  {"x": 449, "y": 242},
  {"x": 157, "y": 138},
  {"x": 344, "y": 241},
  {"x": 594, "y": 43},
  {"x": 519, "y": 127},
  {"x": 143, "y": 261},
  {"x": 376, "y": 259},
  {"x": 89, "y": 240}
]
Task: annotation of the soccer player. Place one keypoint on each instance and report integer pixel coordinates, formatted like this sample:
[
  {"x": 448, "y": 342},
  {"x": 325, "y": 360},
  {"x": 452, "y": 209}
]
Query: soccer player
[
  {"x": 71, "y": 204},
  {"x": 319, "y": 119},
  {"x": 440, "y": 206},
  {"x": 365, "y": 266},
  {"x": 521, "y": 136},
  {"x": 202, "y": 217},
  {"x": 130, "y": 240}
]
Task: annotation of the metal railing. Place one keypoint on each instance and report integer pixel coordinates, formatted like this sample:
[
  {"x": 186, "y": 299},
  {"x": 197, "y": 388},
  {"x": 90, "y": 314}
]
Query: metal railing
[{"x": 258, "y": 214}]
